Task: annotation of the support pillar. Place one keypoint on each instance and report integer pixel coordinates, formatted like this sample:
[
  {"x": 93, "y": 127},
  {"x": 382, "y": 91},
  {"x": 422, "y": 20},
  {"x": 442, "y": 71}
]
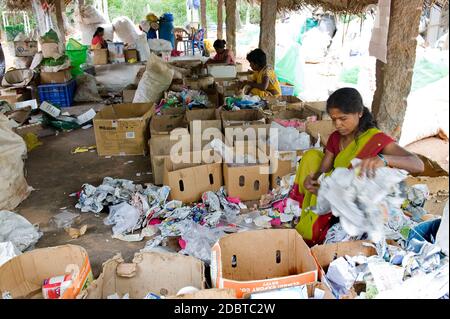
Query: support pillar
[
  {"x": 230, "y": 20},
  {"x": 267, "y": 38},
  {"x": 394, "y": 78}
]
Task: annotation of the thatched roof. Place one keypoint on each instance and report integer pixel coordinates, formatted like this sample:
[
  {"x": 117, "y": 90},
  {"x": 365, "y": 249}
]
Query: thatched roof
[
  {"x": 336, "y": 6},
  {"x": 16, "y": 5}
]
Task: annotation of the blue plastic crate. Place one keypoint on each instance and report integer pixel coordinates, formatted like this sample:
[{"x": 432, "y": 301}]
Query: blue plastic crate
[
  {"x": 287, "y": 89},
  {"x": 58, "y": 94}
]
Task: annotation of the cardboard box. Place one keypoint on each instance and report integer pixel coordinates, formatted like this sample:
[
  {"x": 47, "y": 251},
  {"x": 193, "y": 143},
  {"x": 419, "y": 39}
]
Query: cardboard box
[
  {"x": 286, "y": 164},
  {"x": 38, "y": 129},
  {"x": 242, "y": 118},
  {"x": 319, "y": 108},
  {"x": 325, "y": 128},
  {"x": 131, "y": 54},
  {"x": 122, "y": 129},
  {"x": 213, "y": 96},
  {"x": 116, "y": 52},
  {"x": 208, "y": 294},
  {"x": 163, "y": 274},
  {"x": 128, "y": 96},
  {"x": 56, "y": 77},
  {"x": 100, "y": 57},
  {"x": 23, "y": 275},
  {"x": 205, "y": 118},
  {"x": 164, "y": 124},
  {"x": 261, "y": 260},
  {"x": 160, "y": 147},
  {"x": 222, "y": 70},
  {"x": 50, "y": 50},
  {"x": 12, "y": 98},
  {"x": 290, "y": 102},
  {"x": 174, "y": 111},
  {"x": 311, "y": 287},
  {"x": 325, "y": 254},
  {"x": 188, "y": 181},
  {"x": 247, "y": 181},
  {"x": 25, "y": 48}
]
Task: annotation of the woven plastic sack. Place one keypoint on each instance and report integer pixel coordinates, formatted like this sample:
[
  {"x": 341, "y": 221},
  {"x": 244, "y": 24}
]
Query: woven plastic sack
[
  {"x": 155, "y": 81},
  {"x": 126, "y": 30},
  {"x": 13, "y": 186}
]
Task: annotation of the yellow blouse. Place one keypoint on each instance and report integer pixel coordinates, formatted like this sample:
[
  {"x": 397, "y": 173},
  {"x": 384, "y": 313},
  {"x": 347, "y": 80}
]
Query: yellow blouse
[{"x": 274, "y": 86}]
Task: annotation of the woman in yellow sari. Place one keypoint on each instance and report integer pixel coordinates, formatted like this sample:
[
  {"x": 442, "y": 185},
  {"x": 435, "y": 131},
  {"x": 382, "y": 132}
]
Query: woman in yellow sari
[
  {"x": 264, "y": 82},
  {"x": 356, "y": 136}
]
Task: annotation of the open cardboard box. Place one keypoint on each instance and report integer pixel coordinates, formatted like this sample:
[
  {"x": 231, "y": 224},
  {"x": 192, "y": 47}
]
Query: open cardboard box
[
  {"x": 242, "y": 118},
  {"x": 59, "y": 77},
  {"x": 164, "y": 124},
  {"x": 206, "y": 118},
  {"x": 324, "y": 127},
  {"x": 198, "y": 173},
  {"x": 319, "y": 108},
  {"x": 278, "y": 103},
  {"x": 24, "y": 275},
  {"x": 128, "y": 96},
  {"x": 122, "y": 129},
  {"x": 311, "y": 287},
  {"x": 247, "y": 181},
  {"x": 262, "y": 260},
  {"x": 160, "y": 147},
  {"x": 163, "y": 274}
]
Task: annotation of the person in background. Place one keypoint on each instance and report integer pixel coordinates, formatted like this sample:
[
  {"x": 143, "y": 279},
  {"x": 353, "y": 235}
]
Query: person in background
[
  {"x": 98, "y": 42},
  {"x": 222, "y": 55},
  {"x": 356, "y": 136},
  {"x": 265, "y": 82}
]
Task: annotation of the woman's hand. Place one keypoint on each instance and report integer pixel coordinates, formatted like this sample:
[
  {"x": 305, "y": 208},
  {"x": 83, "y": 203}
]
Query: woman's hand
[
  {"x": 311, "y": 184},
  {"x": 368, "y": 166}
]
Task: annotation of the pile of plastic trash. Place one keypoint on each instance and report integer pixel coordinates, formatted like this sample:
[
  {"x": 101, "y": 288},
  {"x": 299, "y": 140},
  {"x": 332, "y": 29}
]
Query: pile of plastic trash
[
  {"x": 186, "y": 99},
  {"x": 246, "y": 102}
]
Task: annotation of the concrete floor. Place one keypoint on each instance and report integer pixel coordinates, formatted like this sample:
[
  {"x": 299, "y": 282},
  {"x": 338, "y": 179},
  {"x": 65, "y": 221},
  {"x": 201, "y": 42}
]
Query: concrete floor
[{"x": 55, "y": 173}]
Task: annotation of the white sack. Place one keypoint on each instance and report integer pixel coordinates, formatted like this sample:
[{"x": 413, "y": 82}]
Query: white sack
[
  {"x": 90, "y": 15},
  {"x": 126, "y": 30},
  {"x": 87, "y": 32},
  {"x": 7, "y": 251},
  {"x": 18, "y": 230},
  {"x": 155, "y": 81},
  {"x": 13, "y": 186},
  {"x": 87, "y": 90}
]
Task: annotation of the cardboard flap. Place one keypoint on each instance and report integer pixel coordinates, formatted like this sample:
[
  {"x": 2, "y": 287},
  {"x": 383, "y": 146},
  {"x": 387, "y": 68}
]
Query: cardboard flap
[
  {"x": 126, "y": 111},
  {"x": 126, "y": 270}
]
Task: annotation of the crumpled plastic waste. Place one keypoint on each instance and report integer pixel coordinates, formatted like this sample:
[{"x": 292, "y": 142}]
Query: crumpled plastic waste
[
  {"x": 342, "y": 274},
  {"x": 288, "y": 138},
  {"x": 228, "y": 155},
  {"x": 17, "y": 230},
  {"x": 361, "y": 203},
  {"x": 199, "y": 240},
  {"x": 8, "y": 251},
  {"x": 124, "y": 217},
  {"x": 64, "y": 219},
  {"x": 337, "y": 234},
  {"x": 442, "y": 234},
  {"x": 245, "y": 102},
  {"x": 415, "y": 201}
]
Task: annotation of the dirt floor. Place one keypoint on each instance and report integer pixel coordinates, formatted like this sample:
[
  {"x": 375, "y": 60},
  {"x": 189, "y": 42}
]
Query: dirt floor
[{"x": 55, "y": 173}]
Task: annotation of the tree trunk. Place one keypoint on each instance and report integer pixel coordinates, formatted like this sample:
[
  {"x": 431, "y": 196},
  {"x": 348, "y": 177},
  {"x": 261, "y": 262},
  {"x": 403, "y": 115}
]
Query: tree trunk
[
  {"x": 220, "y": 19},
  {"x": 394, "y": 78},
  {"x": 267, "y": 39},
  {"x": 203, "y": 17},
  {"x": 59, "y": 6},
  {"x": 230, "y": 20}
]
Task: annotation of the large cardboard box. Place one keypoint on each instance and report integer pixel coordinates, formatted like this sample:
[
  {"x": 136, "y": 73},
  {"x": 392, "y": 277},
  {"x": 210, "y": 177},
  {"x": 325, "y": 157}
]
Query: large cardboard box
[
  {"x": 323, "y": 128},
  {"x": 278, "y": 103},
  {"x": 59, "y": 77},
  {"x": 122, "y": 129},
  {"x": 131, "y": 54},
  {"x": 12, "y": 98},
  {"x": 222, "y": 70},
  {"x": 100, "y": 56},
  {"x": 50, "y": 50},
  {"x": 164, "y": 124},
  {"x": 204, "y": 118},
  {"x": 320, "y": 108},
  {"x": 242, "y": 118},
  {"x": 163, "y": 274},
  {"x": 23, "y": 275},
  {"x": 128, "y": 96},
  {"x": 247, "y": 181},
  {"x": 325, "y": 254},
  {"x": 198, "y": 173},
  {"x": 262, "y": 260},
  {"x": 25, "y": 48},
  {"x": 160, "y": 147}
]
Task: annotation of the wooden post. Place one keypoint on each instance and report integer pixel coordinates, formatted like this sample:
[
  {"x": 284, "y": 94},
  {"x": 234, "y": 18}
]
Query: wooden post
[
  {"x": 204, "y": 22},
  {"x": 267, "y": 39},
  {"x": 220, "y": 19},
  {"x": 394, "y": 78},
  {"x": 230, "y": 20},
  {"x": 59, "y": 6}
]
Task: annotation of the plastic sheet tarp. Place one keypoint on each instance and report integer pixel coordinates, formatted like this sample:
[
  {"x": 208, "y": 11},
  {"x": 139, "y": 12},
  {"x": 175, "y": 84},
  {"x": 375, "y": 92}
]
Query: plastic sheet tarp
[{"x": 17, "y": 230}]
